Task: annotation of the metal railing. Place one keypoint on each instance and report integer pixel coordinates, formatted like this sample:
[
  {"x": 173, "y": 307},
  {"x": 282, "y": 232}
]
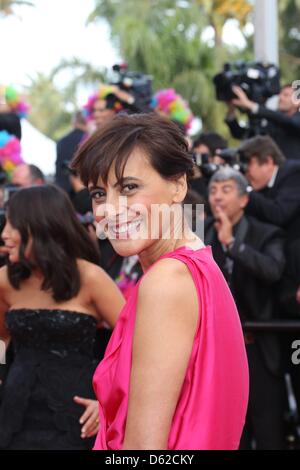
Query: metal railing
[{"x": 285, "y": 326}]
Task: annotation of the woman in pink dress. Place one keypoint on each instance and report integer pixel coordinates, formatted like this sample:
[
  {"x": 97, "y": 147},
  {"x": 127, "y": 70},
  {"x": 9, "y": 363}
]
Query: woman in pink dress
[{"x": 175, "y": 373}]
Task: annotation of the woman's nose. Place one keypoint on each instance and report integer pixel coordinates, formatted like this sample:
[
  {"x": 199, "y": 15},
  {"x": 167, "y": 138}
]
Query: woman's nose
[
  {"x": 5, "y": 234},
  {"x": 115, "y": 205}
]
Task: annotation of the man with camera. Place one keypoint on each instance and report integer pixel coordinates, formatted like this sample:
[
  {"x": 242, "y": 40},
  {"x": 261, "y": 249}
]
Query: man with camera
[
  {"x": 250, "y": 255},
  {"x": 282, "y": 125}
]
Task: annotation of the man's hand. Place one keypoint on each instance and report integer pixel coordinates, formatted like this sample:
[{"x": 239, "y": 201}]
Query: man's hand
[
  {"x": 123, "y": 95},
  {"x": 242, "y": 100},
  {"x": 223, "y": 227},
  {"x": 90, "y": 418},
  {"x": 231, "y": 110}
]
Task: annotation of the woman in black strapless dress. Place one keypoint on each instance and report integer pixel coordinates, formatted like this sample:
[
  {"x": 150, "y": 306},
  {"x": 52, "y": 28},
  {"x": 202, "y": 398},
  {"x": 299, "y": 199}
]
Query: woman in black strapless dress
[{"x": 52, "y": 296}]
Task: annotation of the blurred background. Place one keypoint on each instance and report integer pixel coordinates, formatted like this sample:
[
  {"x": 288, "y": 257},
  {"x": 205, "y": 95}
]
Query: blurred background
[{"x": 57, "y": 52}]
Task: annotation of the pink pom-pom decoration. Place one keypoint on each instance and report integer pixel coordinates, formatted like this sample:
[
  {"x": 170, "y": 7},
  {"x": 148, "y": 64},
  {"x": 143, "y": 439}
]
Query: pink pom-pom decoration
[
  {"x": 170, "y": 104},
  {"x": 10, "y": 152},
  {"x": 101, "y": 94}
]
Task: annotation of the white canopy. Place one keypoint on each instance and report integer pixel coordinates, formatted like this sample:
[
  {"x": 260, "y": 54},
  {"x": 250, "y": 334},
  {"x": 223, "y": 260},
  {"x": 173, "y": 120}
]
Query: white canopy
[{"x": 38, "y": 149}]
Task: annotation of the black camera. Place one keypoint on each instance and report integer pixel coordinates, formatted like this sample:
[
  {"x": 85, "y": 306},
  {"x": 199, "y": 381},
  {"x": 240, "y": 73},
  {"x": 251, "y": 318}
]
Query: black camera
[
  {"x": 65, "y": 166},
  {"x": 259, "y": 81},
  {"x": 137, "y": 84},
  {"x": 232, "y": 157}
]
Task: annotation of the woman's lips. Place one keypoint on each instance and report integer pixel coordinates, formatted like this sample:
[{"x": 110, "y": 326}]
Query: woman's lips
[{"x": 126, "y": 228}]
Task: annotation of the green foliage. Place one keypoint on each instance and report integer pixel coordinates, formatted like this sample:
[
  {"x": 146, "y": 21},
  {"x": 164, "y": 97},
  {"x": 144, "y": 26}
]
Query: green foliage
[
  {"x": 289, "y": 35},
  {"x": 48, "y": 111},
  {"x": 7, "y": 6},
  {"x": 52, "y": 105},
  {"x": 163, "y": 38}
]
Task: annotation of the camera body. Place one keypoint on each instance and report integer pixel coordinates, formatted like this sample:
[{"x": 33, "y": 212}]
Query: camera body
[
  {"x": 137, "y": 84},
  {"x": 232, "y": 157},
  {"x": 259, "y": 81}
]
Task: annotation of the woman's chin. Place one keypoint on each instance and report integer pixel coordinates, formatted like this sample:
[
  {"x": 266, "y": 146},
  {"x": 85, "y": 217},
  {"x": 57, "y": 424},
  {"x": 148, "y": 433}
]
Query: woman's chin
[{"x": 128, "y": 247}]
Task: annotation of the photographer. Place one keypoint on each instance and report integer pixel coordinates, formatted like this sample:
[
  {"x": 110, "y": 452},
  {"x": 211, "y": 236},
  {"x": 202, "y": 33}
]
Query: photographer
[
  {"x": 276, "y": 183},
  {"x": 112, "y": 99},
  {"x": 282, "y": 125},
  {"x": 205, "y": 148},
  {"x": 250, "y": 255}
]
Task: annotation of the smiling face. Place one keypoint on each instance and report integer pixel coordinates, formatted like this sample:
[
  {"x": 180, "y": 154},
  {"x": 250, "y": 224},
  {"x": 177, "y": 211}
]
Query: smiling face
[
  {"x": 12, "y": 241},
  {"x": 142, "y": 189}
]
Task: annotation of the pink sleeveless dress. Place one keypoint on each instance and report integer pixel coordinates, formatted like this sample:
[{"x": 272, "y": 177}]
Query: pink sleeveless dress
[{"x": 211, "y": 409}]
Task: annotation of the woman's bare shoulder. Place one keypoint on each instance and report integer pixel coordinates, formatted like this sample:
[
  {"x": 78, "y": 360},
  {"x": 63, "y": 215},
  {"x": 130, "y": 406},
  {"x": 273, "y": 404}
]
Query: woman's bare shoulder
[
  {"x": 168, "y": 274},
  {"x": 90, "y": 271}
]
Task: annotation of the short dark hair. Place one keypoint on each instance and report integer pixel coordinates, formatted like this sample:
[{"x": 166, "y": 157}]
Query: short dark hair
[
  {"x": 286, "y": 85},
  {"x": 262, "y": 147},
  {"x": 36, "y": 173},
  {"x": 46, "y": 213},
  {"x": 212, "y": 140},
  {"x": 160, "y": 139}
]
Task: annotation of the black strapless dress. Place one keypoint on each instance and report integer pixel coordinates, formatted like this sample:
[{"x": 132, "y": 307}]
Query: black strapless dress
[{"x": 53, "y": 362}]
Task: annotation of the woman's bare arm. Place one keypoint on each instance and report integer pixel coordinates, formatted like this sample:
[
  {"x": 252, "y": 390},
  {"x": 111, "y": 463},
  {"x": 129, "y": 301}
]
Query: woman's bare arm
[
  {"x": 106, "y": 296},
  {"x": 4, "y": 334},
  {"x": 167, "y": 316}
]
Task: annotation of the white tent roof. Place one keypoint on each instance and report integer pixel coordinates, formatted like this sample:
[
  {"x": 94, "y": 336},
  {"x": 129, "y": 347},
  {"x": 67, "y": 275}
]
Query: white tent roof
[{"x": 38, "y": 149}]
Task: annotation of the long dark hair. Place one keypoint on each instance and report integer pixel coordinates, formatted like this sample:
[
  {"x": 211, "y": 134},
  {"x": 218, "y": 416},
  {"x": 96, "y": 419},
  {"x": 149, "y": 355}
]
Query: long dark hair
[{"x": 58, "y": 239}]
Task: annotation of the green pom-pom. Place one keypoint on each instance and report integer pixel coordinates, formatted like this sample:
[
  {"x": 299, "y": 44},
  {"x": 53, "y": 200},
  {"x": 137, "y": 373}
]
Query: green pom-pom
[{"x": 11, "y": 94}]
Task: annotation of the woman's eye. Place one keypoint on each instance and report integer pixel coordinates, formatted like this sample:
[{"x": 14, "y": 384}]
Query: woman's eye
[
  {"x": 97, "y": 196},
  {"x": 129, "y": 187}
]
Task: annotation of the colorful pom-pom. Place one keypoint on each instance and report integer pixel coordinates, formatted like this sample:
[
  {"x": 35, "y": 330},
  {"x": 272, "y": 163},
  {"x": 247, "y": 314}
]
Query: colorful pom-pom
[
  {"x": 10, "y": 152},
  {"x": 101, "y": 94},
  {"x": 15, "y": 101},
  {"x": 172, "y": 105}
]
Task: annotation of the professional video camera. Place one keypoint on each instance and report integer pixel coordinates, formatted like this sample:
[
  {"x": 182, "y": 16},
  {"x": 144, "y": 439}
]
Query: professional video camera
[
  {"x": 231, "y": 157},
  {"x": 259, "y": 81},
  {"x": 137, "y": 84}
]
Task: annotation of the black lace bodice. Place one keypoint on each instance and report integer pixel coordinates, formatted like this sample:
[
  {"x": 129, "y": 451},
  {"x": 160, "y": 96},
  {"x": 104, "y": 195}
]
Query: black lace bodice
[
  {"x": 58, "y": 332},
  {"x": 53, "y": 362}
]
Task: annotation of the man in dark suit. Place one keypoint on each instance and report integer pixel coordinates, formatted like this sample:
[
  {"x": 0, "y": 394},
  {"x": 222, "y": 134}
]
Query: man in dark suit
[
  {"x": 283, "y": 125},
  {"x": 250, "y": 255},
  {"x": 66, "y": 148},
  {"x": 276, "y": 195},
  {"x": 276, "y": 185},
  {"x": 276, "y": 200}
]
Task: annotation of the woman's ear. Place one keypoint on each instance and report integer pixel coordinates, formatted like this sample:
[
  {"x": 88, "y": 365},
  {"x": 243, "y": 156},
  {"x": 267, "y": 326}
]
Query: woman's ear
[{"x": 180, "y": 189}]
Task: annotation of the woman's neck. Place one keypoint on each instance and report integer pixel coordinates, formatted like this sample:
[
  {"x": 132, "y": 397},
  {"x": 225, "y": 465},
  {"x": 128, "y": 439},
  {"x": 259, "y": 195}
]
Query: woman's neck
[{"x": 161, "y": 247}]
